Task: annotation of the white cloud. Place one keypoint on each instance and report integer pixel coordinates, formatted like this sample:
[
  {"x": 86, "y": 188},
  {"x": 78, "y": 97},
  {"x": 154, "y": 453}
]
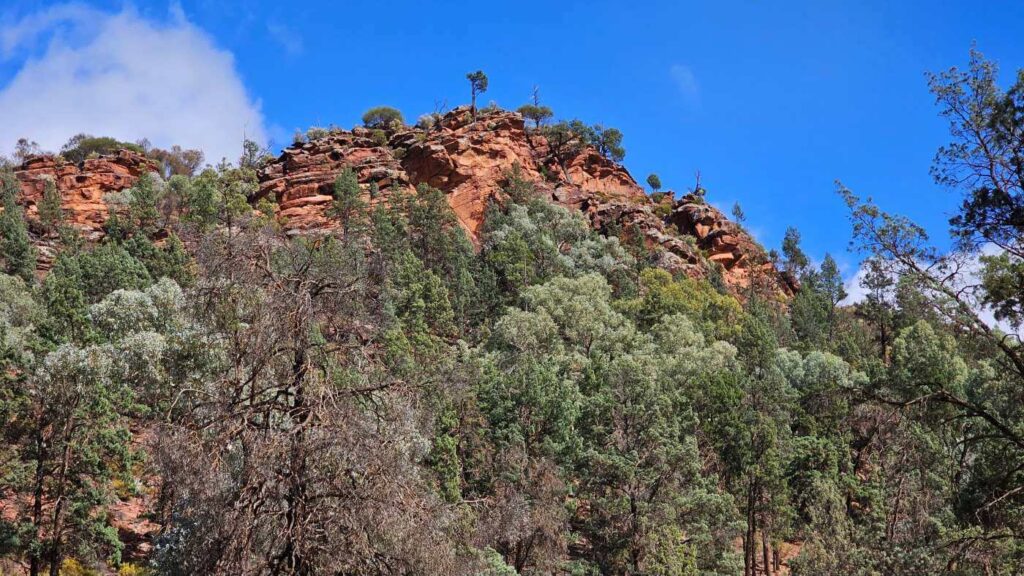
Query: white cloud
[
  {"x": 28, "y": 29},
  {"x": 685, "y": 81},
  {"x": 969, "y": 275},
  {"x": 121, "y": 75},
  {"x": 854, "y": 291},
  {"x": 287, "y": 38}
]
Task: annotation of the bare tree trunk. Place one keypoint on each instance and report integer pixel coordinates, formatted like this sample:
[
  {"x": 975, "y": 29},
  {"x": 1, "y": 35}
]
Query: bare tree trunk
[
  {"x": 56, "y": 546},
  {"x": 634, "y": 552},
  {"x": 750, "y": 546},
  {"x": 292, "y": 555},
  {"x": 766, "y": 552},
  {"x": 884, "y": 336},
  {"x": 890, "y": 524},
  {"x": 37, "y": 501}
]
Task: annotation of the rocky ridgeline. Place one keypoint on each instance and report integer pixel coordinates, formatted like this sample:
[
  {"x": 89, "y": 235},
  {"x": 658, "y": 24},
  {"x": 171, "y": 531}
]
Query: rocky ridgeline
[
  {"x": 468, "y": 160},
  {"x": 471, "y": 160}
]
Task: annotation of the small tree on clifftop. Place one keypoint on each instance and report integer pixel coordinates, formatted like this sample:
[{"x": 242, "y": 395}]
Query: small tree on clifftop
[
  {"x": 477, "y": 85},
  {"x": 566, "y": 140},
  {"x": 608, "y": 142},
  {"x": 796, "y": 260},
  {"x": 534, "y": 111},
  {"x": 535, "y": 114},
  {"x": 82, "y": 146},
  {"x": 25, "y": 149},
  {"x": 654, "y": 182},
  {"x": 737, "y": 213}
]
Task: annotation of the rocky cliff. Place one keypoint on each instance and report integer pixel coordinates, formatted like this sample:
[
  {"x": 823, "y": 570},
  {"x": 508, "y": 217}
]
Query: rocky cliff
[
  {"x": 470, "y": 161},
  {"x": 81, "y": 186}
]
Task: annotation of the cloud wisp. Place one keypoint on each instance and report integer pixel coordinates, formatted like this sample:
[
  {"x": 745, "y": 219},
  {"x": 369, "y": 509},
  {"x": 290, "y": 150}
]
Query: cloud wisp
[
  {"x": 686, "y": 82},
  {"x": 122, "y": 75},
  {"x": 289, "y": 40}
]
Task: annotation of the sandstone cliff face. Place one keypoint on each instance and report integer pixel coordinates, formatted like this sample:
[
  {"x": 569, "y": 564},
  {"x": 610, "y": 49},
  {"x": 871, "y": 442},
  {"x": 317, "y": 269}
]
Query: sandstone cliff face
[
  {"x": 301, "y": 180},
  {"x": 470, "y": 161},
  {"x": 742, "y": 259},
  {"x": 467, "y": 160},
  {"x": 81, "y": 186}
]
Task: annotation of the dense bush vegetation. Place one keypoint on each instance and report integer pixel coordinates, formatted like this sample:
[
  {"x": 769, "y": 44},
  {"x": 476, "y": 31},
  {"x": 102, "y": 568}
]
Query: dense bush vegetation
[{"x": 390, "y": 399}]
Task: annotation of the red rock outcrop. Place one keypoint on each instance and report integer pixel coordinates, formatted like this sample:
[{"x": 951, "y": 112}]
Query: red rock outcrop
[
  {"x": 81, "y": 186},
  {"x": 742, "y": 259},
  {"x": 593, "y": 173},
  {"x": 470, "y": 161},
  {"x": 301, "y": 180},
  {"x": 676, "y": 254}
]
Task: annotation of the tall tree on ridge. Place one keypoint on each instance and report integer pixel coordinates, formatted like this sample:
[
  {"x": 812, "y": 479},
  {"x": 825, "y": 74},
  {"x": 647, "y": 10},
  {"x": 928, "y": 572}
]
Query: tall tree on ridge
[{"x": 477, "y": 85}]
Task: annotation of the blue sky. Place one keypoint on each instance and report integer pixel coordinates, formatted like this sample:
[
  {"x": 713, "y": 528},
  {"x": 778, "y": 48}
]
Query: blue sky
[{"x": 772, "y": 102}]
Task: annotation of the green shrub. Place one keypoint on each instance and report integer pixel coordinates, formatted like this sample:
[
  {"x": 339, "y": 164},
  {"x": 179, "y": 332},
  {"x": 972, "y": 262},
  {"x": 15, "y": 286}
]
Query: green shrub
[
  {"x": 316, "y": 133},
  {"x": 383, "y": 117}
]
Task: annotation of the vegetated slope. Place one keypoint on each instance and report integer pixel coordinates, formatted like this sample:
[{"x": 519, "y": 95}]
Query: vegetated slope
[
  {"x": 349, "y": 321},
  {"x": 83, "y": 188}
]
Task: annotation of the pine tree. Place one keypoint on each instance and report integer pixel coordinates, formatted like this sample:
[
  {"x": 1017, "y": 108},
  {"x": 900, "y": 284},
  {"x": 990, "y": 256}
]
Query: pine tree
[
  {"x": 477, "y": 86},
  {"x": 51, "y": 213},
  {"x": 349, "y": 207},
  {"x": 737, "y": 213},
  {"x": 796, "y": 261},
  {"x": 654, "y": 182},
  {"x": 535, "y": 112},
  {"x": 17, "y": 251},
  {"x": 143, "y": 205}
]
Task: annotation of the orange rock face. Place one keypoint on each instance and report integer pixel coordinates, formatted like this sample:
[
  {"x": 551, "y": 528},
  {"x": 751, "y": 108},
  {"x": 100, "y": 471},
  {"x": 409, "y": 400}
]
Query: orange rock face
[
  {"x": 470, "y": 161},
  {"x": 82, "y": 186},
  {"x": 301, "y": 181},
  {"x": 595, "y": 174},
  {"x": 742, "y": 259}
]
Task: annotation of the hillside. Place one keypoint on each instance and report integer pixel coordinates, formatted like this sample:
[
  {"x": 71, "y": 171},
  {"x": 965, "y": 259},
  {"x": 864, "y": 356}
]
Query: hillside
[
  {"x": 470, "y": 161},
  {"x": 477, "y": 346}
]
